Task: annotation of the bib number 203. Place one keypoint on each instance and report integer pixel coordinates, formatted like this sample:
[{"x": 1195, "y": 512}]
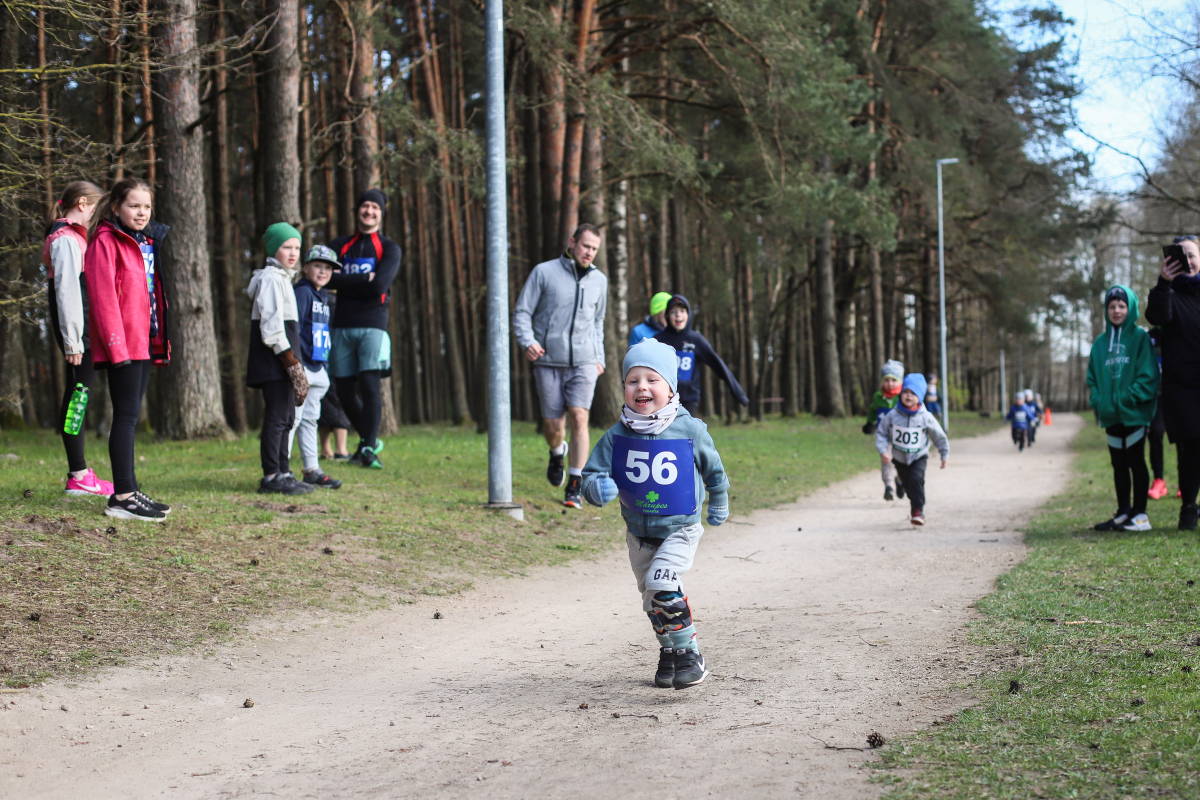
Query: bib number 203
[{"x": 660, "y": 468}]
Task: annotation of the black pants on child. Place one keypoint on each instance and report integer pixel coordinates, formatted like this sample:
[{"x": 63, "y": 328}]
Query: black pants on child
[
  {"x": 913, "y": 477},
  {"x": 1129, "y": 466},
  {"x": 363, "y": 416},
  {"x": 1188, "y": 453},
  {"x": 126, "y": 388},
  {"x": 279, "y": 412},
  {"x": 1157, "y": 429},
  {"x": 85, "y": 373}
]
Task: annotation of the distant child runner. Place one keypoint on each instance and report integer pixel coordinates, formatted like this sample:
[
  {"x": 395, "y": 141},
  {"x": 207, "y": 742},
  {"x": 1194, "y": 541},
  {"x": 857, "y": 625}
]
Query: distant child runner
[
  {"x": 692, "y": 350},
  {"x": 127, "y": 328},
  {"x": 66, "y": 243},
  {"x": 312, "y": 306},
  {"x": 272, "y": 364},
  {"x": 1035, "y": 415},
  {"x": 932, "y": 404},
  {"x": 903, "y": 437},
  {"x": 659, "y": 460},
  {"x": 1123, "y": 389},
  {"x": 653, "y": 323},
  {"x": 1018, "y": 414},
  {"x": 885, "y": 400}
]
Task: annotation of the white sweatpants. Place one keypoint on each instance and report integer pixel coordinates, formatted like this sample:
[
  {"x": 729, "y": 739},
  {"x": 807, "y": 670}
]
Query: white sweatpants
[
  {"x": 889, "y": 474},
  {"x": 307, "y": 416},
  {"x": 659, "y": 565}
]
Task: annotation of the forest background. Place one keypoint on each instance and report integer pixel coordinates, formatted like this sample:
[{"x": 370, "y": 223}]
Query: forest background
[{"x": 773, "y": 160}]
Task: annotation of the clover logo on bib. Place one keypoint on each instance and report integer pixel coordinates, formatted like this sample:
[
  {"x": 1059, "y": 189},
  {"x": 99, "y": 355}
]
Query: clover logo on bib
[{"x": 652, "y": 497}]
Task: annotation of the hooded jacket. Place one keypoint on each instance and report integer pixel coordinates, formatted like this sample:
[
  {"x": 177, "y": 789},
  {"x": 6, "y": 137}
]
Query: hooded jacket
[
  {"x": 273, "y": 307},
  {"x": 1174, "y": 306},
  {"x": 645, "y": 329},
  {"x": 1122, "y": 371},
  {"x": 119, "y": 298},
  {"x": 691, "y": 344},
  {"x": 63, "y": 254},
  {"x": 562, "y": 312}
]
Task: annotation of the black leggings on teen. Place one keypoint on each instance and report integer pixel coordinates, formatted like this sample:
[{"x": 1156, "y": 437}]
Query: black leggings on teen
[
  {"x": 1155, "y": 435},
  {"x": 85, "y": 373},
  {"x": 363, "y": 416},
  {"x": 126, "y": 388},
  {"x": 1188, "y": 453},
  {"x": 279, "y": 412},
  {"x": 1129, "y": 467}
]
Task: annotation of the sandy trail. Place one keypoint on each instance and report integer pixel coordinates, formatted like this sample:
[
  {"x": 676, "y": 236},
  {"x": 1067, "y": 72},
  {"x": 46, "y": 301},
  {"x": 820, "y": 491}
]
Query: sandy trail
[{"x": 822, "y": 635}]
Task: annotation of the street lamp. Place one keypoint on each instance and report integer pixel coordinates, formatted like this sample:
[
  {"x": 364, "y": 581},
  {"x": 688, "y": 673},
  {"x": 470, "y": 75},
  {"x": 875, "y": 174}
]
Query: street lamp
[{"x": 945, "y": 396}]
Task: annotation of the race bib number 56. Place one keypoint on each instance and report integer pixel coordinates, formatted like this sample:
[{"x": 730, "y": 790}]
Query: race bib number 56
[{"x": 655, "y": 476}]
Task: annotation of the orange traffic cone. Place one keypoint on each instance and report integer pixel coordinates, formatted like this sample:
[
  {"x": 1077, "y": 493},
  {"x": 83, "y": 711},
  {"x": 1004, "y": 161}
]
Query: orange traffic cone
[{"x": 1049, "y": 419}]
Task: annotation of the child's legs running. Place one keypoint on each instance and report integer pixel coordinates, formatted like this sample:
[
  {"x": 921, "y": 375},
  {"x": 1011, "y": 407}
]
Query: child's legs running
[
  {"x": 659, "y": 566},
  {"x": 913, "y": 477},
  {"x": 889, "y": 474}
]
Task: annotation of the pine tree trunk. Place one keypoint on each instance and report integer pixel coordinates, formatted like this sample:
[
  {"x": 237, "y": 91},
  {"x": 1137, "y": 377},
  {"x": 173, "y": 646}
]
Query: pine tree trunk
[
  {"x": 148, "y": 93},
  {"x": 304, "y": 143},
  {"x": 193, "y": 380},
  {"x": 552, "y": 120},
  {"x": 362, "y": 92},
  {"x": 281, "y": 118},
  {"x": 573, "y": 137},
  {"x": 790, "y": 372},
  {"x": 929, "y": 325},
  {"x": 828, "y": 374}
]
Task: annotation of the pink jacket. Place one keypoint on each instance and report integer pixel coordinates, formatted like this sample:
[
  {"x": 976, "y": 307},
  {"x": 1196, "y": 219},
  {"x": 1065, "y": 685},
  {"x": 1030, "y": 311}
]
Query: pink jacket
[{"x": 119, "y": 322}]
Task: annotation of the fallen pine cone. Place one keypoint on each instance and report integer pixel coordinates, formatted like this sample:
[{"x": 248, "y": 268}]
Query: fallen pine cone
[
  {"x": 875, "y": 740},
  {"x": 248, "y": 704},
  {"x": 437, "y": 615},
  {"x": 583, "y": 706}
]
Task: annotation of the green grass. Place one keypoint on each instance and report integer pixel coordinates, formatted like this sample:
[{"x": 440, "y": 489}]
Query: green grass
[
  {"x": 1105, "y": 709},
  {"x": 79, "y": 590}
]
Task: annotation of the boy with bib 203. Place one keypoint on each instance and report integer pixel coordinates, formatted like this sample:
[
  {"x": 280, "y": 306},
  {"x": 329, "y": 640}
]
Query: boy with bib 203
[
  {"x": 903, "y": 437},
  {"x": 659, "y": 460}
]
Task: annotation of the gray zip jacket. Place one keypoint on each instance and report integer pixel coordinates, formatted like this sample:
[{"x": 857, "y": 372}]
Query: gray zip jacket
[
  {"x": 909, "y": 437},
  {"x": 563, "y": 313}
]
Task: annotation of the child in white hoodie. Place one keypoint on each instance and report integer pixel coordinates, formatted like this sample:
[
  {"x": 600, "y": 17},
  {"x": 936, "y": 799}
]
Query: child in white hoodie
[{"x": 272, "y": 364}]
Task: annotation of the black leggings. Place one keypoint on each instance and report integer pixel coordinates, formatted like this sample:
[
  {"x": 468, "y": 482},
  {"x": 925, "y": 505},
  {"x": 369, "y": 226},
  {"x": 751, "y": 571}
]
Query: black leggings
[
  {"x": 85, "y": 373},
  {"x": 1188, "y": 453},
  {"x": 126, "y": 388},
  {"x": 1129, "y": 468},
  {"x": 363, "y": 416},
  {"x": 1155, "y": 435},
  {"x": 279, "y": 412},
  {"x": 912, "y": 477}
]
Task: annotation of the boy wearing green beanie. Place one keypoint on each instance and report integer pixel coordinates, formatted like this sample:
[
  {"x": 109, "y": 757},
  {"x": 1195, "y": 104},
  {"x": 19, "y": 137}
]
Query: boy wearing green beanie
[
  {"x": 272, "y": 364},
  {"x": 659, "y": 460}
]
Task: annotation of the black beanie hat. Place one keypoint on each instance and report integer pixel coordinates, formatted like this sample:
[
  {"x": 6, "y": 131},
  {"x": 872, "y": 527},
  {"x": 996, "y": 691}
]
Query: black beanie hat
[
  {"x": 374, "y": 196},
  {"x": 1116, "y": 293}
]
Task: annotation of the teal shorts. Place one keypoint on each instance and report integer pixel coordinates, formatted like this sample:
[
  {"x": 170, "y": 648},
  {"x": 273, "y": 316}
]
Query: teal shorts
[{"x": 358, "y": 350}]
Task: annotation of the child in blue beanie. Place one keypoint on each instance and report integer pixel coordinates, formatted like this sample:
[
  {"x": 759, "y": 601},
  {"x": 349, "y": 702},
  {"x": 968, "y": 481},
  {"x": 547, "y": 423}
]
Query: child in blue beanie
[
  {"x": 903, "y": 438},
  {"x": 659, "y": 460}
]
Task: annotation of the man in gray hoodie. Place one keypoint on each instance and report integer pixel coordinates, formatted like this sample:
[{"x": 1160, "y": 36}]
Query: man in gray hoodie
[{"x": 559, "y": 323}]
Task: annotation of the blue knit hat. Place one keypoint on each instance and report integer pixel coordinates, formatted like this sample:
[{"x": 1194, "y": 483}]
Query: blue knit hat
[
  {"x": 656, "y": 355},
  {"x": 915, "y": 383}
]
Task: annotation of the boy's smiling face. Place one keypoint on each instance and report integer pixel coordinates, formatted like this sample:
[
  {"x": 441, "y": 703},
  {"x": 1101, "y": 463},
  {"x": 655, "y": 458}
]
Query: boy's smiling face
[
  {"x": 910, "y": 400},
  {"x": 890, "y": 386},
  {"x": 646, "y": 391}
]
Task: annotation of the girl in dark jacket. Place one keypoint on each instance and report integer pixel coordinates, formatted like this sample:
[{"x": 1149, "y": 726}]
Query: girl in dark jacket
[
  {"x": 693, "y": 350},
  {"x": 1174, "y": 306},
  {"x": 127, "y": 325}
]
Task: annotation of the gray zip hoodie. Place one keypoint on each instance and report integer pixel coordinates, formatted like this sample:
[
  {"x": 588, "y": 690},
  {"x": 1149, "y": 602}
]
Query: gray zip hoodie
[
  {"x": 909, "y": 437},
  {"x": 563, "y": 313}
]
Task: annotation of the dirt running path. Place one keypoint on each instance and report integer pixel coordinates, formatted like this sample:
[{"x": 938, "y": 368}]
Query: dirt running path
[{"x": 822, "y": 635}]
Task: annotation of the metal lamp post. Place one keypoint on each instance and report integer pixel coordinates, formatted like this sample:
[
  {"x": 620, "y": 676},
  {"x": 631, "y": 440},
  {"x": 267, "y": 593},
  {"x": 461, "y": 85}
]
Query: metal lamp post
[{"x": 945, "y": 396}]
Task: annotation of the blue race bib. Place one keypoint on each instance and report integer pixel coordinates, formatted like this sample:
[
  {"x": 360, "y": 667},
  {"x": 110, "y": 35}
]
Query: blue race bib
[
  {"x": 359, "y": 266},
  {"x": 686, "y": 364},
  {"x": 148, "y": 262},
  {"x": 321, "y": 341},
  {"x": 655, "y": 476}
]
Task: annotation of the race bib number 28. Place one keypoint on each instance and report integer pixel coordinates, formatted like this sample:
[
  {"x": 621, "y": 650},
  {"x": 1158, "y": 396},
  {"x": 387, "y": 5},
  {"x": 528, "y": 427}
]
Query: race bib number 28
[{"x": 655, "y": 476}]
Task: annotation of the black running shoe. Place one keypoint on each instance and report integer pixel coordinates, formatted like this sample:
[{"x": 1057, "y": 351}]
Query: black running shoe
[
  {"x": 887, "y": 493},
  {"x": 132, "y": 507},
  {"x": 556, "y": 470},
  {"x": 369, "y": 458},
  {"x": 899, "y": 490},
  {"x": 689, "y": 669},
  {"x": 321, "y": 480},
  {"x": 157, "y": 506},
  {"x": 664, "y": 676},
  {"x": 1189, "y": 516},
  {"x": 574, "y": 488},
  {"x": 1118, "y": 521},
  {"x": 283, "y": 484},
  {"x": 341, "y": 457}
]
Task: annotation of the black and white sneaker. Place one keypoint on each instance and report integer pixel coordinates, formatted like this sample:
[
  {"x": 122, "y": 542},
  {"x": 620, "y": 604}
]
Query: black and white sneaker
[
  {"x": 132, "y": 507},
  {"x": 157, "y": 506},
  {"x": 1137, "y": 522},
  {"x": 283, "y": 484},
  {"x": 664, "y": 676},
  {"x": 899, "y": 490},
  {"x": 1116, "y": 523},
  {"x": 556, "y": 470},
  {"x": 689, "y": 669},
  {"x": 887, "y": 493},
  {"x": 321, "y": 480},
  {"x": 572, "y": 497}
]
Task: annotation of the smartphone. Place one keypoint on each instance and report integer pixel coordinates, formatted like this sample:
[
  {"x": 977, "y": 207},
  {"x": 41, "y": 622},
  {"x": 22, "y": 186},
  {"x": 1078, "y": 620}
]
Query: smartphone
[{"x": 1175, "y": 251}]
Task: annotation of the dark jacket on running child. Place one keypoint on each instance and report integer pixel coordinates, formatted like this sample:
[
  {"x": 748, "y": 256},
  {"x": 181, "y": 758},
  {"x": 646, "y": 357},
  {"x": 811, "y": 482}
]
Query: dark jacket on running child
[
  {"x": 312, "y": 306},
  {"x": 1122, "y": 371},
  {"x": 364, "y": 305},
  {"x": 693, "y": 349},
  {"x": 1019, "y": 415}
]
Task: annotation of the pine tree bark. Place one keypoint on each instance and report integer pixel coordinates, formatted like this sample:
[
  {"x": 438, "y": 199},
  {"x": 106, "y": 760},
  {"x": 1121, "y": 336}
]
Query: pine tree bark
[
  {"x": 552, "y": 119},
  {"x": 362, "y": 94},
  {"x": 304, "y": 141},
  {"x": 576, "y": 121},
  {"x": 828, "y": 374},
  {"x": 281, "y": 117},
  {"x": 193, "y": 380},
  {"x": 147, "y": 93},
  {"x": 12, "y": 349}
]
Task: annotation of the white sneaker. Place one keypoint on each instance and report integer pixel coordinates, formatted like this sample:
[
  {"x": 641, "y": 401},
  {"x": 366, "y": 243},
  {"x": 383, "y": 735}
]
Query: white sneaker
[{"x": 1140, "y": 522}]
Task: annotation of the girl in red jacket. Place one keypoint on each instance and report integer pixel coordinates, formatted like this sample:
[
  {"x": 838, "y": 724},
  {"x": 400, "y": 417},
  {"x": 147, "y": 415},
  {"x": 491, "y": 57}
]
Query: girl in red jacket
[
  {"x": 128, "y": 327},
  {"x": 62, "y": 254}
]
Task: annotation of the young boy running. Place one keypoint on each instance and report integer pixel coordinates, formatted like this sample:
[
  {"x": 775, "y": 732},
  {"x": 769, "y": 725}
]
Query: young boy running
[
  {"x": 659, "y": 460},
  {"x": 1018, "y": 415},
  {"x": 903, "y": 437},
  {"x": 885, "y": 400}
]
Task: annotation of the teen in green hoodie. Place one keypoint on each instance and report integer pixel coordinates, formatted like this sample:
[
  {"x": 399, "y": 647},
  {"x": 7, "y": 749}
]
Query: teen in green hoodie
[{"x": 1123, "y": 383}]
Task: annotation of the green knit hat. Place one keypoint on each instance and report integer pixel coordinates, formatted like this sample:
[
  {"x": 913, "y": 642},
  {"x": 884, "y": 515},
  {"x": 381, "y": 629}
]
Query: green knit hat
[
  {"x": 276, "y": 235},
  {"x": 658, "y": 303}
]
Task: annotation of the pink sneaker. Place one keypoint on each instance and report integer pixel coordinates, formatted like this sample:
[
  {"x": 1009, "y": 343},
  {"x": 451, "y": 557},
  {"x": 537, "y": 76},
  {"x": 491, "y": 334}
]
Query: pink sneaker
[{"x": 88, "y": 485}]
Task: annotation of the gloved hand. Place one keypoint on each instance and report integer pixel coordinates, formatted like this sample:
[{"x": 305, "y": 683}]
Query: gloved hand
[
  {"x": 868, "y": 428},
  {"x": 717, "y": 514},
  {"x": 296, "y": 374},
  {"x": 606, "y": 489}
]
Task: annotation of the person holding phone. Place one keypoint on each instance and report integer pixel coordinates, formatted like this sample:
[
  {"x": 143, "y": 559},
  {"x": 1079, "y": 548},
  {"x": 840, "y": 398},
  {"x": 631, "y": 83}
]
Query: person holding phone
[{"x": 1174, "y": 306}]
